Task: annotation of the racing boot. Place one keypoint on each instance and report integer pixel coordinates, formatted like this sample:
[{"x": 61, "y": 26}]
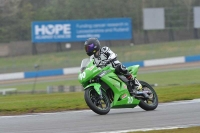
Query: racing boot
[
  {"x": 137, "y": 85},
  {"x": 134, "y": 84}
]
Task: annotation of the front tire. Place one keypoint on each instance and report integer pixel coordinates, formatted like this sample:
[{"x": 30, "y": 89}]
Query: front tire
[
  {"x": 152, "y": 102},
  {"x": 99, "y": 106}
]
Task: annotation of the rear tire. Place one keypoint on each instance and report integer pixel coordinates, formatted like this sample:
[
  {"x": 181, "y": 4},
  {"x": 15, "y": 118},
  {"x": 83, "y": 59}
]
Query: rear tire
[
  {"x": 154, "y": 98},
  {"x": 93, "y": 101}
]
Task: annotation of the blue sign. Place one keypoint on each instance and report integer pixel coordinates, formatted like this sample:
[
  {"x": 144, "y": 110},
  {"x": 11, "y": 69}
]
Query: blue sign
[{"x": 80, "y": 30}]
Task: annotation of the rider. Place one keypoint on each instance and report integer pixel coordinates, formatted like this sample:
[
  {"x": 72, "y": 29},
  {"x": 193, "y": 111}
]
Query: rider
[{"x": 104, "y": 55}]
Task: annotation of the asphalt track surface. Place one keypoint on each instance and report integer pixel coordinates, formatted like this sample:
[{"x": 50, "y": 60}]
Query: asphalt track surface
[{"x": 176, "y": 114}]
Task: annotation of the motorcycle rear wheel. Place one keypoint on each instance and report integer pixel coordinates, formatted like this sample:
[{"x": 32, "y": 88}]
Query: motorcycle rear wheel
[
  {"x": 95, "y": 103},
  {"x": 152, "y": 102}
]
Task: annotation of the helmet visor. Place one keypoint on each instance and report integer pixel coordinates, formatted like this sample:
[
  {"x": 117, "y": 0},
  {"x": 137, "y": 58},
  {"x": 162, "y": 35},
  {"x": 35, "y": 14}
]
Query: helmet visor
[{"x": 89, "y": 49}]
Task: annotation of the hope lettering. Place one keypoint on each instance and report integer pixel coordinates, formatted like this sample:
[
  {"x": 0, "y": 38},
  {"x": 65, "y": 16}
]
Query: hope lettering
[{"x": 51, "y": 29}]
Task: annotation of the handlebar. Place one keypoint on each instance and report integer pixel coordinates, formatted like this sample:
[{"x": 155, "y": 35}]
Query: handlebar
[{"x": 105, "y": 63}]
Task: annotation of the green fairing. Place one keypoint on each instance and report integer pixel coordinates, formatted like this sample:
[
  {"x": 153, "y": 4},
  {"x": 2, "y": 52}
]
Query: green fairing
[
  {"x": 122, "y": 98},
  {"x": 96, "y": 87},
  {"x": 133, "y": 70},
  {"x": 90, "y": 72},
  {"x": 120, "y": 89}
]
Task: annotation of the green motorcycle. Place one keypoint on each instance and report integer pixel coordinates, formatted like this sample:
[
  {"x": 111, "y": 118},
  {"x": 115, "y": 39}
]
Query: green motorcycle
[{"x": 104, "y": 89}]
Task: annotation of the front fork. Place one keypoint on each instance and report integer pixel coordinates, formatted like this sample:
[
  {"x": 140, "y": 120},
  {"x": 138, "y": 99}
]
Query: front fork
[{"x": 100, "y": 95}]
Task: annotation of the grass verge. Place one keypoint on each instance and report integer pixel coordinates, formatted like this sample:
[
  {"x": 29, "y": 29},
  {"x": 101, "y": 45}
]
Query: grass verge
[
  {"x": 34, "y": 103},
  {"x": 179, "y": 130},
  {"x": 178, "y": 77},
  {"x": 125, "y": 53}
]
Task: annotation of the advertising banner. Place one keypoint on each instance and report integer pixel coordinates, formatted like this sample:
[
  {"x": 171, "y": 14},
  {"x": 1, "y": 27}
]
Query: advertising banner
[{"x": 81, "y": 30}]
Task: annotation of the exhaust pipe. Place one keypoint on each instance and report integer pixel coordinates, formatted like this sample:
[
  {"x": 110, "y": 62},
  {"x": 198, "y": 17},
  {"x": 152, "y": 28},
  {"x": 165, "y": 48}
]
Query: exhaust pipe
[{"x": 143, "y": 93}]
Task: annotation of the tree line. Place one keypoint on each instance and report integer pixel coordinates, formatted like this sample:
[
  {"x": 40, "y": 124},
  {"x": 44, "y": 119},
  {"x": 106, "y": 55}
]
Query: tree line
[{"x": 16, "y": 15}]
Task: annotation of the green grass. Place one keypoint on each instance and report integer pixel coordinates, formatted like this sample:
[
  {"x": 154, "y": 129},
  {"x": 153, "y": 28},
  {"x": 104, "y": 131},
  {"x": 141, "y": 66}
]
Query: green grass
[
  {"x": 32, "y": 103},
  {"x": 176, "y": 93},
  {"x": 179, "y": 77},
  {"x": 184, "y": 86},
  {"x": 125, "y": 53},
  {"x": 20, "y": 104},
  {"x": 179, "y": 130},
  {"x": 175, "y": 77},
  {"x": 42, "y": 85}
]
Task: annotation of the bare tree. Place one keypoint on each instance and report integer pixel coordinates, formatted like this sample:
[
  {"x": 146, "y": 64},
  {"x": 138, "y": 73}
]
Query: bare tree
[
  {"x": 188, "y": 4},
  {"x": 9, "y": 7}
]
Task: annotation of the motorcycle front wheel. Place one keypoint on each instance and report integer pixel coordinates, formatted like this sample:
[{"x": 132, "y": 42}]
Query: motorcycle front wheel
[{"x": 97, "y": 104}]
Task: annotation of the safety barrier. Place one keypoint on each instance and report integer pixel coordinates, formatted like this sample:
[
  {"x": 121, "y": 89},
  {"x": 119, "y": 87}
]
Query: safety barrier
[
  {"x": 75, "y": 70},
  {"x": 51, "y": 89}
]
